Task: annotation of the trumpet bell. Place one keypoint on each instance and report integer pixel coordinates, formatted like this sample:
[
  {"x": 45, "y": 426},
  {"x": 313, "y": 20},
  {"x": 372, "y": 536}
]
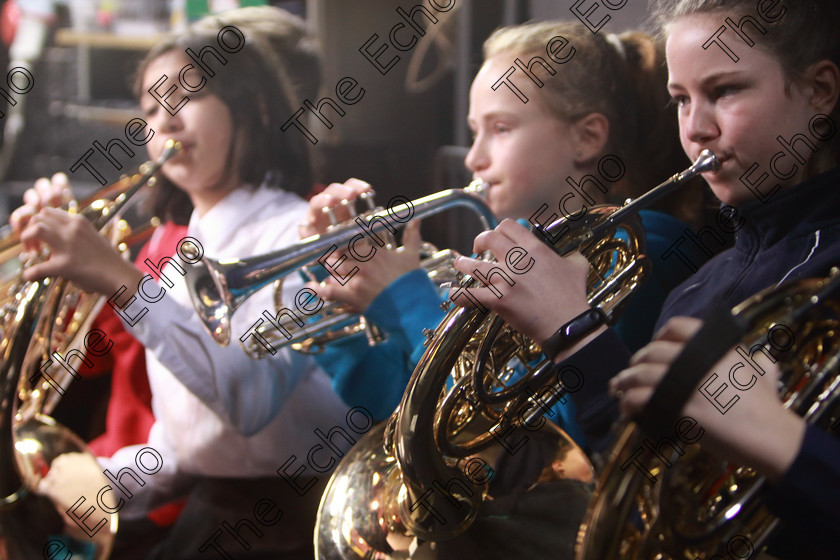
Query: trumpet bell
[{"x": 208, "y": 290}]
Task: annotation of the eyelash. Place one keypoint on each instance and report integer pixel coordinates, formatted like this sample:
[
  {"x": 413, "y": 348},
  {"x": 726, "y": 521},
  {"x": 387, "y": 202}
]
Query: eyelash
[
  {"x": 497, "y": 129},
  {"x": 722, "y": 90},
  {"x": 719, "y": 91}
]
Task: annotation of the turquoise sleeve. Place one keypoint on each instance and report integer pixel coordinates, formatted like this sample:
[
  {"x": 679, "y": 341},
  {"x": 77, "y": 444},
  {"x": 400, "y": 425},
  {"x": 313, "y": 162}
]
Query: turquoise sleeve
[{"x": 376, "y": 376}]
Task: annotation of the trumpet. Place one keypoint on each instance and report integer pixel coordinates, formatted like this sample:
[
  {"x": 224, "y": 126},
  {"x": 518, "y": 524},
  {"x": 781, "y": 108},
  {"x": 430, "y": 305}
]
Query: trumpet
[
  {"x": 218, "y": 287},
  {"x": 38, "y": 320},
  {"x": 425, "y": 476}
]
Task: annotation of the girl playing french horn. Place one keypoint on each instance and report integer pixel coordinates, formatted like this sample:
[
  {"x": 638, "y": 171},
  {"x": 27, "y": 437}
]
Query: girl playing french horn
[
  {"x": 608, "y": 94},
  {"x": 223, "y": 423},
  {"x": 746, "y": 102}
]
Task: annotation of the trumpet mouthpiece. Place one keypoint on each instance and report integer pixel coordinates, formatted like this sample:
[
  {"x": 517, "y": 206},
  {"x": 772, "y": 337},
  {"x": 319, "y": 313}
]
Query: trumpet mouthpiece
[
  {"x": 170, "y": 149},
  {"x": 478, "y": 187},
  {"x": 707, "y": 161}
]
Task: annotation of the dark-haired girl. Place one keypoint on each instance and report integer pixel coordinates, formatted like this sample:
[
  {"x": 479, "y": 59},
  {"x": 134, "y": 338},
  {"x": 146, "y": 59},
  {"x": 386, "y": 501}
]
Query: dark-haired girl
[{"x": 223, "y": 423}]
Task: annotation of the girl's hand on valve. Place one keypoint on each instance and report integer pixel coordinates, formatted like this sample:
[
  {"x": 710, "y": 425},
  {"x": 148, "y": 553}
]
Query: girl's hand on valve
[
  {"x": 370, "y": 277},
  {"x": 77, "y": 252},
  {"x": 748, "y": 425},
  {"x": 54, "y": 192},
  {"x": 530, "y": 286},
  {"x": 337, "y": 199}
]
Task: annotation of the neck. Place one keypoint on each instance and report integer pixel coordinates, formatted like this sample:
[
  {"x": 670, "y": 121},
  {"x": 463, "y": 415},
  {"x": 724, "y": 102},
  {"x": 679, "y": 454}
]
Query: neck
[{"x": 205, "y": 200}]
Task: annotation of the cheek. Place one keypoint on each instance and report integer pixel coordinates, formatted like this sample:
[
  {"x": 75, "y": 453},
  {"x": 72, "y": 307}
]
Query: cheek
[
  {"x": 520, "y": 157},
  {"x": 222, "y": 135},
  {"x": 682, "y": 122},
  {"x": 155, "y": 145}
]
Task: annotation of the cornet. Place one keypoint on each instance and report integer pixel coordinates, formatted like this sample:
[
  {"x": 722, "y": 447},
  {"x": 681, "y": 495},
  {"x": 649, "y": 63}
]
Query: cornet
[{"x": 219, "y": 286}]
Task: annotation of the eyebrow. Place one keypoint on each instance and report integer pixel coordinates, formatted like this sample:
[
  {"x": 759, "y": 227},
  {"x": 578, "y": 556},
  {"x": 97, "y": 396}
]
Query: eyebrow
[
  {"x": 495, "y": 115},
  {"x": 714, "y": 77}
]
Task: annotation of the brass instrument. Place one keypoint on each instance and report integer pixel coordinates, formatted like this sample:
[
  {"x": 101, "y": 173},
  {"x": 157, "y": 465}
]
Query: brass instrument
[
  {"x": 219, "y": 286},
  {"x": 478, "y": 391},
  {"x": 43, "y": 462},
  {"x": 702, "y": 505},
  {"x": 11, "y": 248}
]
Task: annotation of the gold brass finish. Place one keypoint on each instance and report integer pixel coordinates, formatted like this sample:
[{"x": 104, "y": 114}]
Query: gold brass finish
[
  {"x": 702, "y": 502},
  {"x": 480, "y": 383},
  {"x": 45, "y": 467}
]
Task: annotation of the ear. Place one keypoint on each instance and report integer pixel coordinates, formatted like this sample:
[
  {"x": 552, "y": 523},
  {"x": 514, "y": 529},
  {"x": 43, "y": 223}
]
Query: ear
[
  {"x": 589, "y": 137},
  {"x": 823, "y": 78}
]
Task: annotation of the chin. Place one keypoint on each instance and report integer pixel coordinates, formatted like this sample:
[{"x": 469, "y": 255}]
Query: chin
[
  {"x": 727, "y": 194},
  {"x": 507, "y": 212},
  {"x": 496, "y": 206}
]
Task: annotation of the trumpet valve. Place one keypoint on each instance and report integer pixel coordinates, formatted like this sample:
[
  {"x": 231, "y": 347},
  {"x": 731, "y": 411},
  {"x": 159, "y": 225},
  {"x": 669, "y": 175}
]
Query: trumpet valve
[
  {"x": 367, "y": 197},
  {"x": 349, "y": 206},
  {"x": 329, "y": 211}
]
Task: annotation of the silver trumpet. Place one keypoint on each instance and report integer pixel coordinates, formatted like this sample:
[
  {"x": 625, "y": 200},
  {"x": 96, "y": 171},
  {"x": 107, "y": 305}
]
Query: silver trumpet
[{"x": 219, "y": 286}]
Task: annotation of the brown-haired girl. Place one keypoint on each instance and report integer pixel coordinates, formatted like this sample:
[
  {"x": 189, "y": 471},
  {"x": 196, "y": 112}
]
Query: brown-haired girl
[{"x": 223, "y": 422}]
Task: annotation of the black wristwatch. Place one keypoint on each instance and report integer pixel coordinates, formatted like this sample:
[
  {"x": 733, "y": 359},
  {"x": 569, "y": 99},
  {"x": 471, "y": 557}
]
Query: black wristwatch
[{"x": 573, "y": 331}]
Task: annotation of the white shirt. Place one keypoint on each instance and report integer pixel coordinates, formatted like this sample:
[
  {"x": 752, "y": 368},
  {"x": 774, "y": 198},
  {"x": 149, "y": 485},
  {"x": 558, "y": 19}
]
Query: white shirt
[{"x": 217, "y": 411}]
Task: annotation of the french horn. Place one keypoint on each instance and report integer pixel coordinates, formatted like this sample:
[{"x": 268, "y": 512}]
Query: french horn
[
  {"x": 701, "y": 506},
  {"x": 436, "y": 480},
  {"x": 37, "y": 320}
]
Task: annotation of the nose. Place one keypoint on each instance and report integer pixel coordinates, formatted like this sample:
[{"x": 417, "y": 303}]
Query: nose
[
  {"x": 477, "y": 159},
  {"x": 164, "y": 121},
  {"x": 700, "y": 124}
]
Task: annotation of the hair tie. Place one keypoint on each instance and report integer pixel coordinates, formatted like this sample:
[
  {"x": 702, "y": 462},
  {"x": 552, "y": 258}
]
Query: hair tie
[{"x": 616, "y": 42}]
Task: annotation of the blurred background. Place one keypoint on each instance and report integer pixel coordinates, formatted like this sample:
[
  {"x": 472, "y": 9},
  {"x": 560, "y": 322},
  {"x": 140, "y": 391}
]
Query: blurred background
[{"x": 407, "y": 136}]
